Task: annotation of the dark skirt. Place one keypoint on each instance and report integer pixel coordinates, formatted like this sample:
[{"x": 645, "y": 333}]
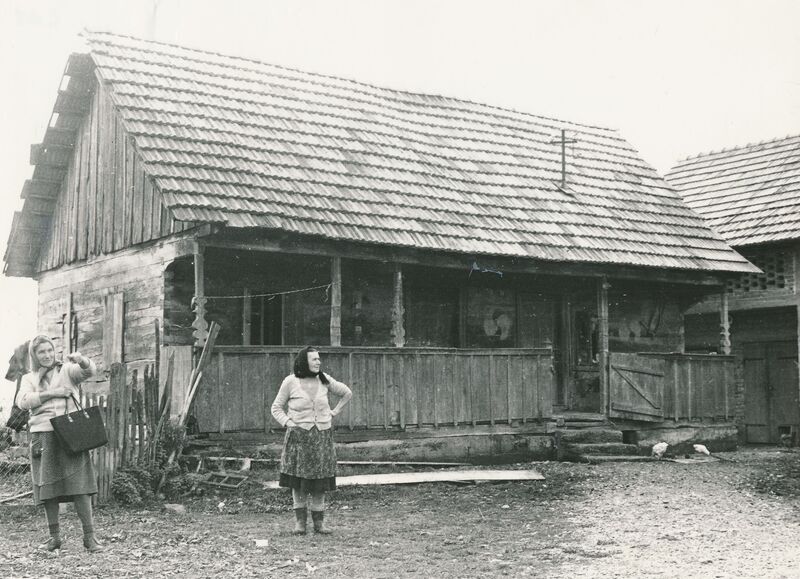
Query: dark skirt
[
  {"x": 308, "y": 460},
  {"x": 58, "y": 474}
]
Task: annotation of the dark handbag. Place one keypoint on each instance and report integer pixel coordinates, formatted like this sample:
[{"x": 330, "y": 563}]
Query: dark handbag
[
  {"x": 81, "y": 430},
  {"x": 18, "y": 419}
]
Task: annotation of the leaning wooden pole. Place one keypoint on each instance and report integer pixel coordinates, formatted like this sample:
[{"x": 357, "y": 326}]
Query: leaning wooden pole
[{"x": 194, "y": 381}]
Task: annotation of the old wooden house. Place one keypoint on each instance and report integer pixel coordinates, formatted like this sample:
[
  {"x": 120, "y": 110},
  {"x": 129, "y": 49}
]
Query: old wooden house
[
  {"x": 751, "y": 196},
  {"x": 467, "y": 269}
]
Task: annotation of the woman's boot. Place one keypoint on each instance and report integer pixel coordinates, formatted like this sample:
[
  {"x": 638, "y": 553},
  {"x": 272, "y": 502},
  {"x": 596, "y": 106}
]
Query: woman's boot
[
  {"x": 319, "y": 517},
  {"x": 300, "y": 517}
]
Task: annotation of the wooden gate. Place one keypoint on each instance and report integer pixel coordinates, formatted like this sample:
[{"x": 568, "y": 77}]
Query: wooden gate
[{"x": 636, "y": 387}]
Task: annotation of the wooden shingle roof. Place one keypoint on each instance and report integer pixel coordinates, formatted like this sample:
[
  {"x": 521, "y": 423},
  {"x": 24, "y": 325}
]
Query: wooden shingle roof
[
  {"x": 749, "y": 194},
  {"x": 252, "y": 145}
]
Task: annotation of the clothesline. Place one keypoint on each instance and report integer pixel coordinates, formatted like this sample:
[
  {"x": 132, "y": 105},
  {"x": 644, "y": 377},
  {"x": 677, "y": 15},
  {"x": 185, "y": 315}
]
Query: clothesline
[{"x": 327, "y": 287}]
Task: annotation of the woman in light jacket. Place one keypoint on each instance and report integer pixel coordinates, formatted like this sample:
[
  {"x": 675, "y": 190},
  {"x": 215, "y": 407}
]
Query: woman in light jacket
[
  {"x": 308, "y": 460},
  {"x": 58, "y": 476}
]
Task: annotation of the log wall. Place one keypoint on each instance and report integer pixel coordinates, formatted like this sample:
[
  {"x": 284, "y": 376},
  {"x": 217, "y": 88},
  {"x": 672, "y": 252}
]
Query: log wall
[{"x": 135, "y": 276}]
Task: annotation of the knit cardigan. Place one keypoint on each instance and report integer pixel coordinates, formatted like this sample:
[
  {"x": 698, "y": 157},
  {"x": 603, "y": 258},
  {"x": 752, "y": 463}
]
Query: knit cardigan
[
  {"x": 305, "y": 410},
  {"x": 70, "y": 374}
]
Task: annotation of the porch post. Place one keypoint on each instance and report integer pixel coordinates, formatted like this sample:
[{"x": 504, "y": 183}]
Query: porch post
[
  {"x": 602, "y": 315},
  {"x": 724, "y": 324},
  {"x": 336, "y": 301},
  {"x": 398, "y": 331},
  {"x": 247, "y": 314},
  {"x": 199, "y": 324}
]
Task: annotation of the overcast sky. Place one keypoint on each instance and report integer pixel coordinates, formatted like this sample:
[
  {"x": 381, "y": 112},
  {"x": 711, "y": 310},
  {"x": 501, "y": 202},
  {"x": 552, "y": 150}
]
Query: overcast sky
[{"x": 675, "y": 78}]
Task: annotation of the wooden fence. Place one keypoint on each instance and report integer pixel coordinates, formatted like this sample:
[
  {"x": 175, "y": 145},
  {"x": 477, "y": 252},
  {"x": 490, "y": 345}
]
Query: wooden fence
[
  {"x": 392, "y": 387},
  {"x": 130, "y": 411},
  {"x": 697, "y": 386}
]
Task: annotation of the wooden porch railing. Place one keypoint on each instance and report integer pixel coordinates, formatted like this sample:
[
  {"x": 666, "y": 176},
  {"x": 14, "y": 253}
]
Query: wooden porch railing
[
  {"x": 697, "y": 386},
  {"x": 392, "y": 387}
]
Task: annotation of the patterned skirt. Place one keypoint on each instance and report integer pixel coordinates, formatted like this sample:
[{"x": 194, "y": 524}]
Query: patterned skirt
[
  {"x": 308, "y": 460},
  {"x": 58, "y": 474}
]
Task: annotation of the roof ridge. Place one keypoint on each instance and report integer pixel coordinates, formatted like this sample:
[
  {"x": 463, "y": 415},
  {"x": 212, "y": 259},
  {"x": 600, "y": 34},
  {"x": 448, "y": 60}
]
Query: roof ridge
[
  {"x": 706, "y": 154},
  {"x": 87, "y": 32}
]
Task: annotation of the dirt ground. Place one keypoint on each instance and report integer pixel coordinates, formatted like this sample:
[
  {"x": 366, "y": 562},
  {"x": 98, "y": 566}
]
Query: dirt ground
[{"x": 662, "y": 519}]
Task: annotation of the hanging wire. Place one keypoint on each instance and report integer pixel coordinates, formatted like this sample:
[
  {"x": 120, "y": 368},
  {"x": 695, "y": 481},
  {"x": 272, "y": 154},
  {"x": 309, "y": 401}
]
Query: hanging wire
[{"x": 326, "y": 287}]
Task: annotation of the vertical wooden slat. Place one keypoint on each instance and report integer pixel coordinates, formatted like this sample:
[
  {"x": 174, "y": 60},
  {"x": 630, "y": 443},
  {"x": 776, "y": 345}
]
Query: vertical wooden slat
[
  {"x": 455, "y": 388},
  {"x": 221, "y": 389},
  {"x": 508, "y": 387},
  {"x": 689, "y": 394},
  {"x": 676, "y": 388},
  {"x": 350, "y": 375},
  {"x": 147, "y": 208},
  {"x": 491, "y": 388},
  {"x": 386, "y": 396},
  {"x": 471, "y": 387},
  {"x": 403, "y": 391},
  {"x": 434, "y": 386},
  {"x": 526, "y": 385},
  {"x": 141, "y": 425}
]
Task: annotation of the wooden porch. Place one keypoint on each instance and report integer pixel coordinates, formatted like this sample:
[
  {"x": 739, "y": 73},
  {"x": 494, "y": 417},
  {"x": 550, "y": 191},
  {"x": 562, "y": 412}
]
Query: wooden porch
[
  {"x": 393, "y": 388},
  {"x": 399, "y": 388}
]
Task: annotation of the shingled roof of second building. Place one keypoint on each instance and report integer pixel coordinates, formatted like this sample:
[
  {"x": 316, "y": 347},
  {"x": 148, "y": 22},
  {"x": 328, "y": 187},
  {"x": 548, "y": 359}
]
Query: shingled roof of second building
[
  {"x": 748, "y": 194},
  {"x": 250, "y": 144}
]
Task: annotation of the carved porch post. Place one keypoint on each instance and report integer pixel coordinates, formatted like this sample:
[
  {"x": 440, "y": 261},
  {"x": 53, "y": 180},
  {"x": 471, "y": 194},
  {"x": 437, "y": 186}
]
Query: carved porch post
[
  {"x": 336, "y": 301},
  {"x": 200, "y": 333},
  {"x": 398, "y": 330},
  {"x": 602, "y": 320},
  {"x": 724, "y": 324}
]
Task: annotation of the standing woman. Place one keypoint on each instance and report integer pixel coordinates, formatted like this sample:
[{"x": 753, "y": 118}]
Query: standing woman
[
  {"x": 58, "y": 476},
  {"x": 308, "y": 460}
]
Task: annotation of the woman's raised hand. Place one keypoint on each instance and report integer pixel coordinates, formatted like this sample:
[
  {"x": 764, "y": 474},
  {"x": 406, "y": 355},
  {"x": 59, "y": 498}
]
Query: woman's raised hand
[{"x": 75, "y": 357}]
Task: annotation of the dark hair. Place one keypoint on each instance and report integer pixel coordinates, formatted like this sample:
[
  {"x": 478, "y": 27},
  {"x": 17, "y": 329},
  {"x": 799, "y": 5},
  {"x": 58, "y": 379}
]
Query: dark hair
[{"x": 301, "y": 369}]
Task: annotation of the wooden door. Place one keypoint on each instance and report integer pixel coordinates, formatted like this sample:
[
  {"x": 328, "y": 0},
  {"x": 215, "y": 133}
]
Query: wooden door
[
  {"x": 770, "y": 389},
  {"x": 636, "y": 387}
]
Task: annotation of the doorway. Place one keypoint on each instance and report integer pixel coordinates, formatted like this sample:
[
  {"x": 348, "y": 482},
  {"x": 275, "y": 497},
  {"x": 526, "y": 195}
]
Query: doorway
[{"x": 770, "y": 390}]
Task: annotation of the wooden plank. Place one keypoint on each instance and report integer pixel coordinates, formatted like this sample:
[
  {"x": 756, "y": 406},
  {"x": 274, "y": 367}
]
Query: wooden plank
[
  {"x": 429, "y": 477},
  {"x": 156, "y": 229},
  {"x": 206, "y": 406},
  {"x": 491, "y": 388},
  {"x": 136, "y": 186},
  {"x": 134, "y": 218},
  {"x": 74, "y": 177},
  {"x": 255, "y": 404},
  {"x": 113, "y": 328},
  {"x": 471, "y": 387},
  {"x": 147, "y": 208},
  {"x": 386, "y": 393}
]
